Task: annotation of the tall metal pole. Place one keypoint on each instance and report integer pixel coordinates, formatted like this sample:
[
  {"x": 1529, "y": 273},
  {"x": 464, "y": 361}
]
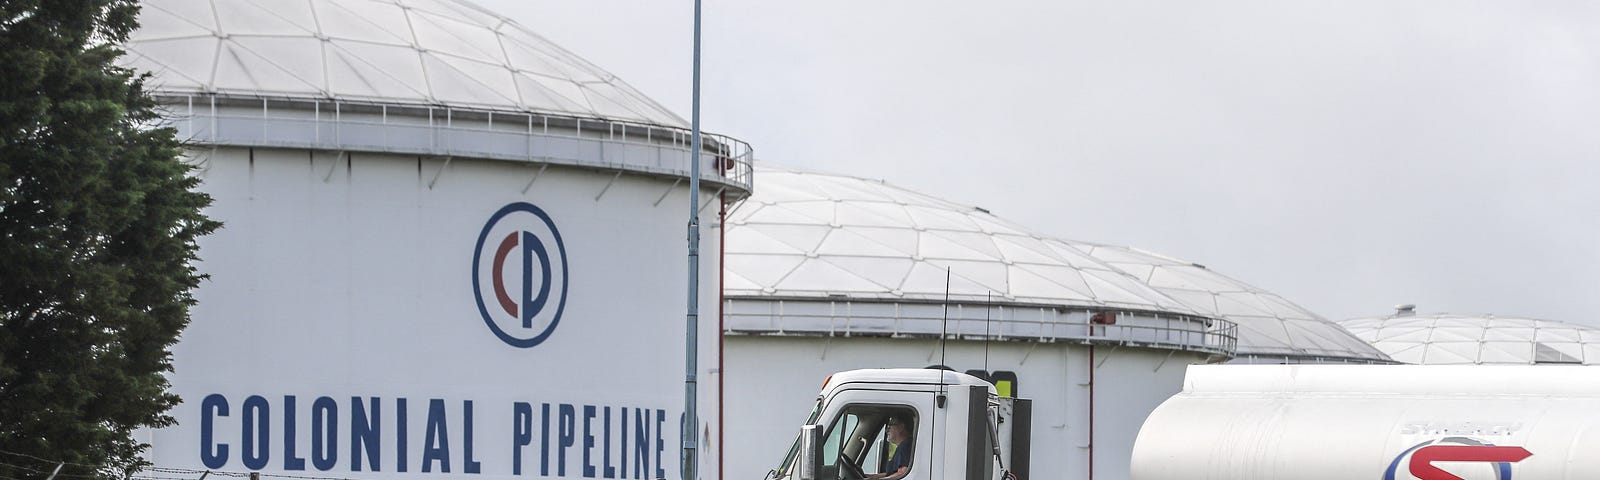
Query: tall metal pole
[{"x": 691, "y": 335}]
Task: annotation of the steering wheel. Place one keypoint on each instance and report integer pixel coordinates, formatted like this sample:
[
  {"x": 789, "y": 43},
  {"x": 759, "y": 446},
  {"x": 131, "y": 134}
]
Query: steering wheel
[{"x": 849, "y": 468}]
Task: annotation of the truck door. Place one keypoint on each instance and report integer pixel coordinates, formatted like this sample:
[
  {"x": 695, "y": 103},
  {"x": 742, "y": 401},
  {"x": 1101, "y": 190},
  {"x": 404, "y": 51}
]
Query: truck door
[{"x": 859, "y": 442}]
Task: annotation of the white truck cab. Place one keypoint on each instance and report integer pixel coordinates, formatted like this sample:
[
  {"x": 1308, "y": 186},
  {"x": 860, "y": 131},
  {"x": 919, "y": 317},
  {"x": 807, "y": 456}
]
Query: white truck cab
[{"x": 954, "y": 427}]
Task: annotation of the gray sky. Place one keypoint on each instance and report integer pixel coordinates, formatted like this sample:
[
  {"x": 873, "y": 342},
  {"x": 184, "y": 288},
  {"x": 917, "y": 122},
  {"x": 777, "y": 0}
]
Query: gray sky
[{"x": 1347, "y": 155}]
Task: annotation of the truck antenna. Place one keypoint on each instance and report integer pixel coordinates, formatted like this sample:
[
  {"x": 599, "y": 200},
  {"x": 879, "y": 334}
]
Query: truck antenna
[
  {"x": 944, "y": 323},
  {"x": 939, "y": 398}
]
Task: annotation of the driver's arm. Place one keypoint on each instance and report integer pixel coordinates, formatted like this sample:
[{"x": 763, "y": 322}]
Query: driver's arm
[{"x": 898, "y": 474}]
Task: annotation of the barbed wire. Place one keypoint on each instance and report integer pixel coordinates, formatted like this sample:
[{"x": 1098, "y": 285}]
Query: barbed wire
[
  {"x": 166, "y": 473},
  {"x": 174, "y": 470},
  {"x": 190, "y": 473},
  {"x": 46, "y": 460},
  {"x": 43, "y": 472}
]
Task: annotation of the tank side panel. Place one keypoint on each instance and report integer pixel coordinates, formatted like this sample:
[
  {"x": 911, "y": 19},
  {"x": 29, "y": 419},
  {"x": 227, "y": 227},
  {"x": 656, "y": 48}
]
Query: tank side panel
[
  {"x": 773, "y": 380},
  {"x": 1129, "y": 384},
  {"x": 342, "y": 288}
]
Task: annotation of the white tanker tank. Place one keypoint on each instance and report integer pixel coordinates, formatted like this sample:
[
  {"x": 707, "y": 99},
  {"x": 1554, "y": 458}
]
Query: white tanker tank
[{"x": 1389, "y": 422}]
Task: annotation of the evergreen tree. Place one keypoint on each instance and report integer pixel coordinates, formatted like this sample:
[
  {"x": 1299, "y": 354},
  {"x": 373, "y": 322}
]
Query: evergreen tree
[{"x": 98, "y": 221}]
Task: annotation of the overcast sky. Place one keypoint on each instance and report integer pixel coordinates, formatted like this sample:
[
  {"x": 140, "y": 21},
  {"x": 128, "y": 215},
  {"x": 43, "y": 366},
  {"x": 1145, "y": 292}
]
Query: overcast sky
[{"x": 1347, "y": 155}]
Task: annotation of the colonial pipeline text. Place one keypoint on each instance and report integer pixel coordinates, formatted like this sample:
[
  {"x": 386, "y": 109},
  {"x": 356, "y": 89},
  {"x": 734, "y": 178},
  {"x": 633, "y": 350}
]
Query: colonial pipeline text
[{"x": 380, "y": 435}]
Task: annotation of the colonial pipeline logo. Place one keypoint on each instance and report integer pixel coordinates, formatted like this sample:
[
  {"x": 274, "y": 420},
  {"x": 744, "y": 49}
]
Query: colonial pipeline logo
[
  {"x": 519, "y": 275},
  {"x": 1466, "y": 457}
]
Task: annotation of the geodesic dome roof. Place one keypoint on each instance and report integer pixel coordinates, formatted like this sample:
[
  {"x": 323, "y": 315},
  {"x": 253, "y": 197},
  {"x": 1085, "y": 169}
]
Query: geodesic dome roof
[
  {"x": 805, "y": 234},
  {"x": 416, "y": 52},
  {"x": 1269, "y": 325},
  {"x": 1451, "y": 339}
]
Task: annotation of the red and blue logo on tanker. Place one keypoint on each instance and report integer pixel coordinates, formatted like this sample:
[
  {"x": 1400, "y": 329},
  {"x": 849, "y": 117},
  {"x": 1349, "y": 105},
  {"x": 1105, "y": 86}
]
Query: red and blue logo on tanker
[
  {"x": 1472, "y": 457},
  {"x": 519, "y": 275}
]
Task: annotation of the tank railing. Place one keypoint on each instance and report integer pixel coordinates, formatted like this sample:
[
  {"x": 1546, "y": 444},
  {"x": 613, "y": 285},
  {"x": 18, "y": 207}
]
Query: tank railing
[
  {"x": 455, "y": 131},
  {"x": 1243, "y": 358},
  {"x": 968, "y": 322},
  {"x": 1227, "y": 331}
]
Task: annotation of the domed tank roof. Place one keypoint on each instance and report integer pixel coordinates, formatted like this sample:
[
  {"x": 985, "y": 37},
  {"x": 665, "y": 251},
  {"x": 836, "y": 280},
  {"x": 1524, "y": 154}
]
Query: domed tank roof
[
  {"x": 1271, "y": 328},
  {"x": 414, "y": 52},
  {"x": 1453, "y": 339},
  {"x": 806, "y": 234}
]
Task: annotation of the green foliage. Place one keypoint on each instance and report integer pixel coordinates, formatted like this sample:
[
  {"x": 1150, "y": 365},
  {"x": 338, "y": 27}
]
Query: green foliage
[{"x": 98, "y": 221}]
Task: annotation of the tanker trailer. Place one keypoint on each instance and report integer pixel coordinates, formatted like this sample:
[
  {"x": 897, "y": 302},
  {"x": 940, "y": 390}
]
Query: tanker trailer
[{"x": 1377, "y": 422}]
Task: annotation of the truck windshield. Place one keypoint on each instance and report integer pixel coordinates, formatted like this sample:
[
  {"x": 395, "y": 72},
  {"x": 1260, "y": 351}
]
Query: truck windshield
[{"x": 794, "y": 449}]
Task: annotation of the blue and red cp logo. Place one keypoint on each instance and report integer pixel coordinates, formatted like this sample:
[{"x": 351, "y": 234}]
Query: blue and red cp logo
[
  {"x": 519, "y": 275},
  {"x": 1497, "y": 459}
]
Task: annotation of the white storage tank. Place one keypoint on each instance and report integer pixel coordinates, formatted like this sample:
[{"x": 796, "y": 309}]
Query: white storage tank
[
  {"x": 1272, "y": 329},
  {"x": 829, "y": 272},
  {"x": 450, "y": 247},
  {"x": 1457, "y": 339}
]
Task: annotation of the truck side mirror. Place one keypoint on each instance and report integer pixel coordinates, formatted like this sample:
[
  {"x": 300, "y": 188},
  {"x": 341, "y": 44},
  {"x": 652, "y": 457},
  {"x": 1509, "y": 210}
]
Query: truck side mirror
[{"x": 810, "y": 461}]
